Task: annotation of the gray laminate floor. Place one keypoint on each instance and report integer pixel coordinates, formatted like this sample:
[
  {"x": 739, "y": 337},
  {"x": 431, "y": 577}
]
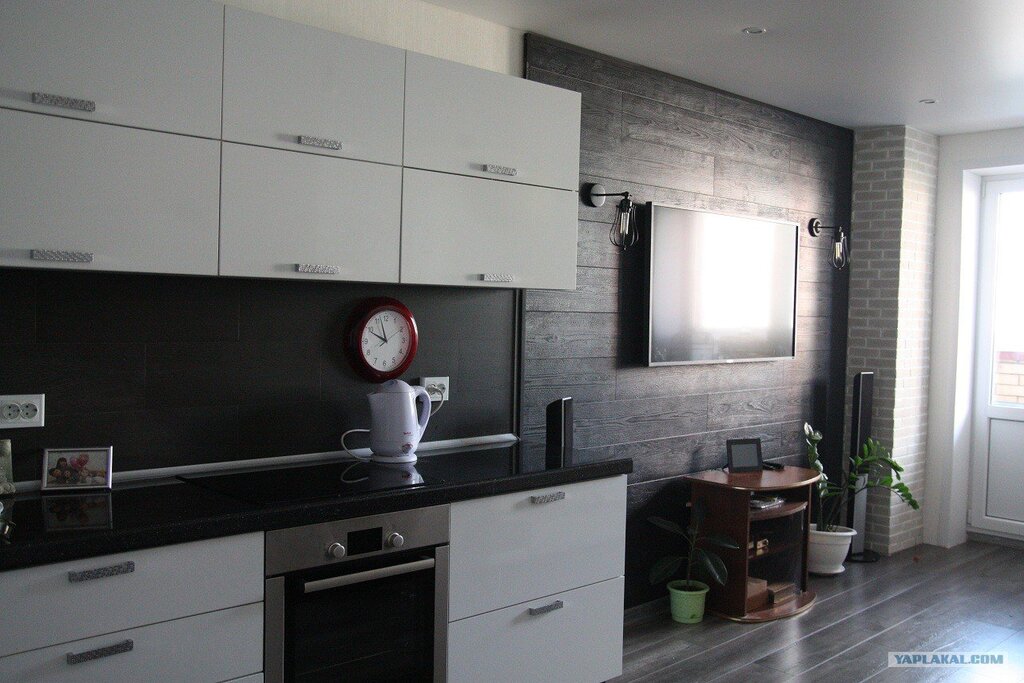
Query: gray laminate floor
[{"x": 968, "y": 598}]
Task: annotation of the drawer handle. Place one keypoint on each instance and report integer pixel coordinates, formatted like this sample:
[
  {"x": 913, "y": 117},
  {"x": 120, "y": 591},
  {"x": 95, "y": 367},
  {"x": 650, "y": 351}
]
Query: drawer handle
[
  {"x": 101, "y": 572},
  {"x": 316, "y": 269},
  {"x": 61, "y": 256},
  {"x": 313, "y": 141},
  {"x": 497, "y": 277},
  {"x": 100, "y": 652},
  {"x": 547, "y": 498},
  {"x": 500, "y": 170},
  {"x": 63, "y": 102},
  {"x": 557, "y": 604}
]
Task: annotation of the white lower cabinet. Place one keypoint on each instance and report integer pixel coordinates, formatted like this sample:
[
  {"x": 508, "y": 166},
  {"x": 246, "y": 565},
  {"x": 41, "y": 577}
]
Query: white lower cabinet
[
  {"x": 84, "y": 195},
  {"x": 567, "y": 637},
  {"x": 207, "y": 648},
  {"x": 471, "y": 232},
  {"x": 66, "y": 601},
  {"x": 293, "y": 215},
  {"x": 536, "y": 584},
  {"x": 518, "y": 546}
]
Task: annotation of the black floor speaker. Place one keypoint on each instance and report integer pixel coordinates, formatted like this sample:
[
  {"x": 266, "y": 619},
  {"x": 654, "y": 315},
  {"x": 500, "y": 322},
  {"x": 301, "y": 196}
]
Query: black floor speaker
[{"x": 860, "y": 431}]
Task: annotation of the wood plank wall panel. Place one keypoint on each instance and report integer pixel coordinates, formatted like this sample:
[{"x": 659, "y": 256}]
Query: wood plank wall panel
[{"x": 669, "y": 140}]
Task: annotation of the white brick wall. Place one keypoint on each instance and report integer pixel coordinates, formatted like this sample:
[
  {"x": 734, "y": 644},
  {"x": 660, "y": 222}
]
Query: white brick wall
[{"x": 891, "y": 239}]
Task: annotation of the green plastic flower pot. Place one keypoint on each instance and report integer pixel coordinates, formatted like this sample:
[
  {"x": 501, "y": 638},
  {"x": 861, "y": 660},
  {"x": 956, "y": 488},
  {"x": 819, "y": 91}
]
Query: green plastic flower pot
[{"x": 687, "y": 600}]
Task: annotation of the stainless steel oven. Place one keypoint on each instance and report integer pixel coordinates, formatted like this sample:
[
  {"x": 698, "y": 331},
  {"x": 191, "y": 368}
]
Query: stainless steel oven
[{"x": 358, "y": 600}]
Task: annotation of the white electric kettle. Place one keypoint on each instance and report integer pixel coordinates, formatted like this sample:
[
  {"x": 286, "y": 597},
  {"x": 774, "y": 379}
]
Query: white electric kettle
[{"x": 397, "y": 423}]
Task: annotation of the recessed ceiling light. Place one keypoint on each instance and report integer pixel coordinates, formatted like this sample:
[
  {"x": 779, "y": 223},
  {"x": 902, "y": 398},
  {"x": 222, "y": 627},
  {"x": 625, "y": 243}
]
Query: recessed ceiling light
[
  {"x": 927, "y": 100},
  {"x": 755, "y": 30}
]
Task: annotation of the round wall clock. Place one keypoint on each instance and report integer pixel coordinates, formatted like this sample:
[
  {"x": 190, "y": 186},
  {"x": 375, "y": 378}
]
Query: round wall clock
[{"x": 382, "y": 339}]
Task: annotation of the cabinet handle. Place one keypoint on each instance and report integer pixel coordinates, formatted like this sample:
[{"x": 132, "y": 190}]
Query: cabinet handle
[
  {"x": 557, "y": 604},
  {"x": 100, "y": 652},
  {"x": 547, "y": 498},
  {"x": 316, "y": 269},
  {"x": 101, "y": 572},
  {"x": 500, "y": 170},
  {"x": 313, "y": 141},
  {"x": 61, "y": 256},
  {"x": 63, "y": 102},
  {"x": 497, "y": 277}
]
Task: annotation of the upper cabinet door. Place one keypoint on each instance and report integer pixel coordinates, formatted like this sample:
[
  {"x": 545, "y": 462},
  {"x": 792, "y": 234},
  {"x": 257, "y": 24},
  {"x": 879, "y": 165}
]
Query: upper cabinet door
[
  {"x": 288, "y": 215},
  {"x": 89, "y": 196},
  {"x": 464, "y": 120},
  {"x": 483, "y": 233},
  {"x": 146, "y": 63},
  {"x": 292, "y": 86}
]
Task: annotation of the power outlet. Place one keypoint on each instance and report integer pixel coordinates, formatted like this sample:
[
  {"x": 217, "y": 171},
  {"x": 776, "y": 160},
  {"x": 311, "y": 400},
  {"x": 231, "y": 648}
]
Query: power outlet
[
  {"x": 22, "y": 410},
  {"x": 437, "y": 387}
]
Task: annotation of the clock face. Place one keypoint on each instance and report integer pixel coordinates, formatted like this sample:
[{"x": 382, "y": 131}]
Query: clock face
[
  {"x": 382, "y": 339},
  {"x": 386, "y": 340}
]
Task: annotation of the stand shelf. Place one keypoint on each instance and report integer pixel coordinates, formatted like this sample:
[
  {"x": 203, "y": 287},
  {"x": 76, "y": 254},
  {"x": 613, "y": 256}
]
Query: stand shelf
[{"x": 726, "y": 497}]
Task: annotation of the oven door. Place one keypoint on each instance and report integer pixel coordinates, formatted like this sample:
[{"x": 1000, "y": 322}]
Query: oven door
[{"x": 380, "y": 619}]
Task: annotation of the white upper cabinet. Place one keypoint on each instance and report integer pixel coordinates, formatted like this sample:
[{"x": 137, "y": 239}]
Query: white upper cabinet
[
  {"x": 296, "y": 87},
  {"x": 474, "y": 232},
  {"x": 460, "y": 119},
  {"x": 146, "y": 63},
  {"x": 78, "y": 194},
  {"x": 288, "y": 215}
]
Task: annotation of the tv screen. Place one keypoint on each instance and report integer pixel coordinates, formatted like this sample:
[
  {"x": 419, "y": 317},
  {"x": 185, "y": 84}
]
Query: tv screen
[{"x": 722, "y": 289}]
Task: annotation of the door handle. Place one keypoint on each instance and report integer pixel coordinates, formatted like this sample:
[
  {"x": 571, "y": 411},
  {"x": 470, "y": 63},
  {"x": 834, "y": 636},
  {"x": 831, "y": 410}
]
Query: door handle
[
  {"x": 557, "y": 604},
  {"x": 100, "y": 652},
  {"x": 369, "y": 575},
  {"x": 51, "y": 100}
]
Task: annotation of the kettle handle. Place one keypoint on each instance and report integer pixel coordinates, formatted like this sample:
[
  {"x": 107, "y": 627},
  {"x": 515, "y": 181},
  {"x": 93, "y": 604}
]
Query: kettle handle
[{"x": 424, "y": 407}]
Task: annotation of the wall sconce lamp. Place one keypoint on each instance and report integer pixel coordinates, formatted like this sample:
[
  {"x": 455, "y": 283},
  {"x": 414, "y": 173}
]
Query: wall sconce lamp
[
  {"x": 839, "y": 255},
  {"x": 623, "y": 233}
]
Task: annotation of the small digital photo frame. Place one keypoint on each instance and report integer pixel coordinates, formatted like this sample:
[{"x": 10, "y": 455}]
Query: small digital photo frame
[{"x": 744, "y": 455}]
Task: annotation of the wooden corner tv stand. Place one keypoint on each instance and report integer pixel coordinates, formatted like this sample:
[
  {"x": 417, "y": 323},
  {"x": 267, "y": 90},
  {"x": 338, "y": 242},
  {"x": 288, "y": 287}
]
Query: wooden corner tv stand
[{"x": 773, "y": 541}]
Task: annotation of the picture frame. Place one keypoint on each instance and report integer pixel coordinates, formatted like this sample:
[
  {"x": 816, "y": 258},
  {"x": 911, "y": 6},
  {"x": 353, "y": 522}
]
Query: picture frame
[
  {"x": 77, "y": 512},
  {"x": 77, "y": 469},
  {"x": 744, "y": 455}
]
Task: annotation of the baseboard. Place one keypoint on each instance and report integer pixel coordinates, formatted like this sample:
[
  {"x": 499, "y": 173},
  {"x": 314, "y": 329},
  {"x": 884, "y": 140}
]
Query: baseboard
[{"x": 995, "y": 540}]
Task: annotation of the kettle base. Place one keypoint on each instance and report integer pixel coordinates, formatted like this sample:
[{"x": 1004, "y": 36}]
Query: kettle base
[{"x": 404, "y": 459}]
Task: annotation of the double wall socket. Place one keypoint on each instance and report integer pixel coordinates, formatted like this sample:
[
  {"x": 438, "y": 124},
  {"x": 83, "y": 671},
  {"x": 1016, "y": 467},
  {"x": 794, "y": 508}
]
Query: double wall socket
[
  {"x": 438, "y": 387},
  {"x": 22, "y": 410}
]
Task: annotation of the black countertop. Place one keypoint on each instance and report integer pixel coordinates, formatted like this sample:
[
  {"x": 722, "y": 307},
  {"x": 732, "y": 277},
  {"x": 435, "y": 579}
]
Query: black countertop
[{"x": 53, "y": 528}]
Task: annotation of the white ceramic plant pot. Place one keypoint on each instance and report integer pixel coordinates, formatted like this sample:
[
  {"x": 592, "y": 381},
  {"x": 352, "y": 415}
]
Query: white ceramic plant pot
[{"x": 828, "y": 550}]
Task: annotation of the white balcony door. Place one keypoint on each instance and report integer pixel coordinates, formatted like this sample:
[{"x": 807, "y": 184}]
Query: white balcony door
[{"x": 997, "y": 487}]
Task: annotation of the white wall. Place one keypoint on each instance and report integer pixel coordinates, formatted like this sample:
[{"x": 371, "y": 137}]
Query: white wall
[
  {"x": 407, "y": 24},
  {"x": 963, "y": 160}
]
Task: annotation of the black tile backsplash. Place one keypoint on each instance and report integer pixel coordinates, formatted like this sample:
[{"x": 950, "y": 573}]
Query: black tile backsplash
[{"x": 177, "y": 370}]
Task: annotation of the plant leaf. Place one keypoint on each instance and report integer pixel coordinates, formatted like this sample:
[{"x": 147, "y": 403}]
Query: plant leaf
[
  {"x": 667, "y": 525},
  {"x": 714, "y": 566},
  {"x": 663, "y": 569},
  {"x": 721, "y": 540}
]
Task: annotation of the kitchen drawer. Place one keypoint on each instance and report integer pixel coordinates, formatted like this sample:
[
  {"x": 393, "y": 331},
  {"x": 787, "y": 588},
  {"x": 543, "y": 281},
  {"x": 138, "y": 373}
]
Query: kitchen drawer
[
  {"x": 283, "y": 80},
  {"x": 460, "y": 119},
  {"x": 208, "y": 648},
  {"x": 146, "y": 63},
  {"x": 135, "y": 200},
  {"x": 571, "y": 636},
  {"x": 473, "y": 232},
  {"x": 281, "y": 209},
  {"x": 56, "y": 603},
  {"x": 521, "y": 546}
]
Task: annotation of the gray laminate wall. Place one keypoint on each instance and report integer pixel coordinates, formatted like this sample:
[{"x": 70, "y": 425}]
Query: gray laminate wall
[{"x": 673, "y": 141}]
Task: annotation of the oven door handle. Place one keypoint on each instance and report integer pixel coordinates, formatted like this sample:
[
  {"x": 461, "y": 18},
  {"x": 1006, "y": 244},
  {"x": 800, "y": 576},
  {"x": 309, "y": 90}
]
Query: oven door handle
[{"x": 369, "y": 575}]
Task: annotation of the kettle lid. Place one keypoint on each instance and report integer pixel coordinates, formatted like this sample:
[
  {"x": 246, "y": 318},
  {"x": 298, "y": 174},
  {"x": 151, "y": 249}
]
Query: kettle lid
[{"x": 393, "y": 386}]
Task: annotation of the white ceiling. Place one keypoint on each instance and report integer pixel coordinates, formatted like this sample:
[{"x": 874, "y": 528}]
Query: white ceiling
[{"x": 851, "y": 62}]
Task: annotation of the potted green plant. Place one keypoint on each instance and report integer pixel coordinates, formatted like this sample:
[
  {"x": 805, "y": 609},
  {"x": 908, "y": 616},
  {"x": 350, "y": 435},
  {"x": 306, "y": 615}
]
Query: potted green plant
[
  {"x": 687, "y": 596},
  {"x": 872, "y": 468}
]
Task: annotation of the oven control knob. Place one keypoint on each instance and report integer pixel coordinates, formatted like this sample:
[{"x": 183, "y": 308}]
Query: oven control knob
[
  {"x": 395, "y": 540},
  {"x": 336, "y": 550}
]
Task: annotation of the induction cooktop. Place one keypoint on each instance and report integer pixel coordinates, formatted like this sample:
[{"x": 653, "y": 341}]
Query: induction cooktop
[{"x": 351, "y": 478}]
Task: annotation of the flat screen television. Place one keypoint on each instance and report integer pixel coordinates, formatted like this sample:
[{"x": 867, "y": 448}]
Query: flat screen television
[{"x": 722, "y": 288}]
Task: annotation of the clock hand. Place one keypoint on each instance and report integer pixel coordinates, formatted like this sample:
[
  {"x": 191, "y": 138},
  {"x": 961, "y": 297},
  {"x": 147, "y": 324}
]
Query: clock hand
[
  {"x": 383, "y": 332},
  {"x": 370, "y": 330}
]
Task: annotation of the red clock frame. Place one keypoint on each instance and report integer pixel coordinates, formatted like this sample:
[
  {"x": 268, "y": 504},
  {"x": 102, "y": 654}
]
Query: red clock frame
[{"x": 357, "y": 323}]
